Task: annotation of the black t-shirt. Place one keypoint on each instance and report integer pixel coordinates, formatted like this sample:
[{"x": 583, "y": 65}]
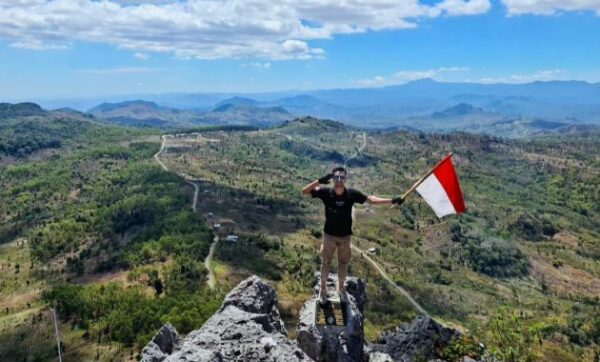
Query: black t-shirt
[{"x": 338, "y": 209}]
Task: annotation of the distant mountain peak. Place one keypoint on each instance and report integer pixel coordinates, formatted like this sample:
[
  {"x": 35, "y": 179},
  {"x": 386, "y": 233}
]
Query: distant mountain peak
[
  {"x": 237, "y": 101},
  {"x": 423, "y": 81},
  {"x": 301, "y": 100},
  {"x": 8, "y": 110},
  {"x": 109, "y": 107},
  {"x": 224, "y": 107},
  {"x": 312, "y": 122},
  {"x": 229, "y": 107},
  {"x": 460, "y": 109}
]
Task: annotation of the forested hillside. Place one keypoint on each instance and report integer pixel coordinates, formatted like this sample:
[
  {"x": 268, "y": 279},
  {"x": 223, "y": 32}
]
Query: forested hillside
[
  {"x": 521, "y": 265},
  {"x": 91, "y": 223}
]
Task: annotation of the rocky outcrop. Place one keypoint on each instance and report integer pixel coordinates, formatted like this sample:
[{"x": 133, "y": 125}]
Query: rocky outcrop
[
  {"x": 334, "y": 343},
  {"x": 247, "y": 327},
  {"x": 419, "y": 340},
  {"x": 161, "y": 345}
]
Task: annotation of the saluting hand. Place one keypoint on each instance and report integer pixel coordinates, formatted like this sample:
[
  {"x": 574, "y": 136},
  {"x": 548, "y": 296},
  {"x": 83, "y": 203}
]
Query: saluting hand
[{"x": 325, "y": 179}]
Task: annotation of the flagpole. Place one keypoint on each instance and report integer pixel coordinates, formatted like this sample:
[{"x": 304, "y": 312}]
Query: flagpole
[{"x": 420, "y": 181}]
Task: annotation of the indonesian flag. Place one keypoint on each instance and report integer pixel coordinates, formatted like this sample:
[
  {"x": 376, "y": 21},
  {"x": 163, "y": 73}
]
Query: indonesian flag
[{"x": 441, "y": 189}]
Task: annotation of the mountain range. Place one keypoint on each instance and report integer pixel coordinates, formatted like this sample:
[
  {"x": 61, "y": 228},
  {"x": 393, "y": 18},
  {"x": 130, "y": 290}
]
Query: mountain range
[{"x": 512, "y": 110}]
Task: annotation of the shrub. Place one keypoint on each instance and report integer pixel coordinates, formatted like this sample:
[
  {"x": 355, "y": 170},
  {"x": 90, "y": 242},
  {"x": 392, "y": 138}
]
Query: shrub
[
  {"x": 510, "y": 342},
  {"x": 532, "y": 228},
  {"x": 496, "y": 258}
]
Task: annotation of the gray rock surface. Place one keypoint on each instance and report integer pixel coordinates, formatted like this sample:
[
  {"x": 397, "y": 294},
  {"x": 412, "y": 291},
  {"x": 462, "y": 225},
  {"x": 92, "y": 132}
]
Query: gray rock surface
[
  {"x": 334, "y": 343},
  {"x": 380, "y": 357},
  {"x": 161, "y": 345},
  {"x": 417, "y": 341},
  {"x": 247, "y": 327}
]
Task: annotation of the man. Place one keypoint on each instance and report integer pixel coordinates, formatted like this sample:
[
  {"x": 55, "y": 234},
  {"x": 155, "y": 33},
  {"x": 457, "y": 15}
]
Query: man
[{"x": 338, "y": 202}]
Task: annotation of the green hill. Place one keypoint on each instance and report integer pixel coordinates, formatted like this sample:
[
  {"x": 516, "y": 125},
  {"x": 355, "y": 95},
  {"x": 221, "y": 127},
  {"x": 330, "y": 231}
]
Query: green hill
[
  {"x": 8, "y": 110},
  {"x": 98, "y": 222},
  {"x": 95, "y": 225}
]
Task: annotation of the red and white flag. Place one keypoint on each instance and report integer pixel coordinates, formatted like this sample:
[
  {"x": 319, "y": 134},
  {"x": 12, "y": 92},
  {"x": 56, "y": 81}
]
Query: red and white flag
[{"x": 441, "y": 189}]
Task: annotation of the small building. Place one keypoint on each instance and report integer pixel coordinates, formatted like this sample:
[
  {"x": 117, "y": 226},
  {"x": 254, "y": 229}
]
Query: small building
[
  {"x": 216, "y": 226},
  {"x": 232, "y": 238},
  {"x": 372, "y": 250},
  {"x": 210, "y": 214}
]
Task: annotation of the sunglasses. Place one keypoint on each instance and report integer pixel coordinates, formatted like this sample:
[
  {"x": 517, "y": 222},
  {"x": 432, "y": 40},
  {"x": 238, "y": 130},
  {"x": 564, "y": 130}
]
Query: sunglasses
[{"x": 339, "y": 178}]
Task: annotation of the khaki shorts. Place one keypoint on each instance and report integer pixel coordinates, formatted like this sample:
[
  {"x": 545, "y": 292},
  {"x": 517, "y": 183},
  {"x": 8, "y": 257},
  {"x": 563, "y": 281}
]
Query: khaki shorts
[{"x": 341, "y": 243}]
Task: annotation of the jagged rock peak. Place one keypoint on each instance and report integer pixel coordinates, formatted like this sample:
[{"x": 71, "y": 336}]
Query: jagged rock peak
[
  {"x": 418, "y": 340},
  {"x": 247, "y": 327},
  {"x": 161, "y": 345}
]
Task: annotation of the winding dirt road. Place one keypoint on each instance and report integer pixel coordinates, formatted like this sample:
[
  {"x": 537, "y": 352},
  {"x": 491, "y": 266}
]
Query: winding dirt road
[
  {"x": 384, "y": 275},
  {"x": 207, "y": 263},
  {"x": 359, "y": 151},
  {"x": 208, "y": 260},
  {"x": 162, "y": 147},
  {"x": 211, "y": 281}
]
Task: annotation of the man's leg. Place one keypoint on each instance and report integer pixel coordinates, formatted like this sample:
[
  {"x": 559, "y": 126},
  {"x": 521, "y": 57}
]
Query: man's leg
[
  {"x": 327, "y": 249},
  {"x": 344, "y": 255}
]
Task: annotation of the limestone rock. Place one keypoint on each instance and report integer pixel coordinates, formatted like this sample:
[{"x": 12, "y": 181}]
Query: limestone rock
[
  {"x": 247, "y": 327},
  {"x": 380, "y": 357},
  {"x": 161, "y": 345},
  {"x": 420, "y": 340},
  {"x": 334, "y": 343}
]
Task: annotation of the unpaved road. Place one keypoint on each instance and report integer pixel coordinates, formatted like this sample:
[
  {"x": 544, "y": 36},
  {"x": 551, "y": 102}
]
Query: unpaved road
[
  {"x": 162, "y": 147},
  {"x": 384, "y": 275},
  {"x": 208, "y": 260},
  {"x": 195, "y": 200},
  {"x": 359, "y": 151}
]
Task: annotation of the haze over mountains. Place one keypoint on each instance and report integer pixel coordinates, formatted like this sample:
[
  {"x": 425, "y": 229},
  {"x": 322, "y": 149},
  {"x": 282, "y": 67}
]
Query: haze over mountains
[{"x": 426, "y": 105}]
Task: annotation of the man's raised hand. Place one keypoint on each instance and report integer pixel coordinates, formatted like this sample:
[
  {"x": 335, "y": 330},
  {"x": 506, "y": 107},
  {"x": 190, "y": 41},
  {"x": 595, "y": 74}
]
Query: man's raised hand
[{"x": 325, "y": 179}]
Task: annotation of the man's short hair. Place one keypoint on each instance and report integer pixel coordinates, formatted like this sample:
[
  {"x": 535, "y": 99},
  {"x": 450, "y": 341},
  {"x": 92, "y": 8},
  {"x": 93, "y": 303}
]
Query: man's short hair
[{"x": 340, "y": 169}]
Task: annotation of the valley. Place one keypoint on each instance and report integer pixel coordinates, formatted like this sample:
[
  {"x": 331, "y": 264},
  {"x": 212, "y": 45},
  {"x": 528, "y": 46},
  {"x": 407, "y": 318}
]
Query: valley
[{"x": 102, "y": 224}]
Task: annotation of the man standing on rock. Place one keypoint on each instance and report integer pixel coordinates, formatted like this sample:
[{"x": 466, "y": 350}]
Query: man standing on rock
[{"x": 339, "y": 201}]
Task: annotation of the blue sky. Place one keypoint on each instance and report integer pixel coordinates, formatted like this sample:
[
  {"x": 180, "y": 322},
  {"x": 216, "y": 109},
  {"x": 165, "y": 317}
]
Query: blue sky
[{"x": 92, "y": 49}]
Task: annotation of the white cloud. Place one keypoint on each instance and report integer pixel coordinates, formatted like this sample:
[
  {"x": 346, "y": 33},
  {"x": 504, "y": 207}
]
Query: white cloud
[
  {"x": 405, "y": 76},
  {"x": 35, "y": 44},
  {"x": 122, "y": 70},
  {"x": 541, "y": 75},
  {"x": 265, "y": 65},
  {"x": 458, "y": 7},
  {"x": 141, "y": 56},
  {"x": 213, "y": 29},
  {"x": 550, "y": 7}
]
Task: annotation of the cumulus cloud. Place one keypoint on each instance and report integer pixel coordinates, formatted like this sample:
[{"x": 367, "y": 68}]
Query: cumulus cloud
[
  {"x": 36, "y": 44},
  {"x": 550, "y": 7},
  {"x": 458, "y": 7},
  {"x": 141, "y": 56},
  {"x": 405, "y": 76},
  {"x": 120, "y": 70},
  {"x": 213, "y": 29},
  {"x": 265, "y": 65},
  {"x": 541, "y": 75}
]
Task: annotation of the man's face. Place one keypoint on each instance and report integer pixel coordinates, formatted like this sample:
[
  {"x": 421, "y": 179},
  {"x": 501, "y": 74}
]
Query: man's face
[{"x": 339, "y": 178}]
